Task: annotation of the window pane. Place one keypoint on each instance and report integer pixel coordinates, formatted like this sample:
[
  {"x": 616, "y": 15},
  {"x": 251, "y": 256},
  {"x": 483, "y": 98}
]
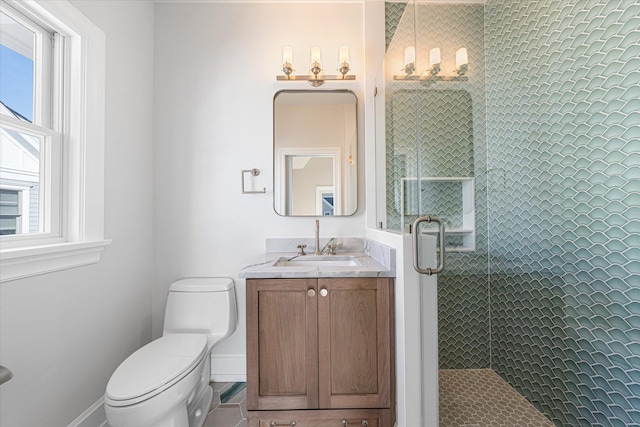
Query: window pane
[
  {"x": 9, "y": 203},
  {"x": 20, "y": 181},
  {"x": 16, "y": 68},
  {"x": 9, "y": 210},
  {"x": 7, "y": 226},
  {"x": 8, "y": 197}
]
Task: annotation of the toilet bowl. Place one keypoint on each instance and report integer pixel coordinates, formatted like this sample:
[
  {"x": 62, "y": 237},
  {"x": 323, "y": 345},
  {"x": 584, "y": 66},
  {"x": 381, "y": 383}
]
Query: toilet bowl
[{"x": 166, "y": 382}]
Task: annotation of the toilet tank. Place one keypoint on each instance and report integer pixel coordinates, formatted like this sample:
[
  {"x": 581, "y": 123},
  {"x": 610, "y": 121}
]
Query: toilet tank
[{"x": 203, "y": 305}]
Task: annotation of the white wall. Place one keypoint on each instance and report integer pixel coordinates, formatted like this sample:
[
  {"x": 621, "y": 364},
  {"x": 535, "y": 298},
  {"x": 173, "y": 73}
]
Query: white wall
[
  {"x": 215, "y": 68},
  {"x": 207, "y": 82},
  {"x": 63, "y": 334}
]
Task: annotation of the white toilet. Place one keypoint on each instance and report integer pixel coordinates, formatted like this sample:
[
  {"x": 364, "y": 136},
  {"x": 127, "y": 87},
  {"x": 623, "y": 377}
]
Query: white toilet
[{"x": 166, "y": 382}]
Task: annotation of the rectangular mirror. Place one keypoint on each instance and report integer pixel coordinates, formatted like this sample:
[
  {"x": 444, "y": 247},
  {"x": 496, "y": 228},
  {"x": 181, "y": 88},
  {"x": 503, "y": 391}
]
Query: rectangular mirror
[{"x": 315, "y": 144}]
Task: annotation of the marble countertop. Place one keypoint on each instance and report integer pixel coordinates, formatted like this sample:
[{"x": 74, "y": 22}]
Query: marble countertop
[{"x": 264, "y": 268}]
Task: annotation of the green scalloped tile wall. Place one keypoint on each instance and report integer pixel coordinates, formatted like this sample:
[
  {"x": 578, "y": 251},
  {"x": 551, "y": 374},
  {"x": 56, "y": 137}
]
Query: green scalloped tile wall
[
  {"x": 563, "y": 132},
  {"x": 392, "y": 15},
  {"x": 557, "y": 199}
]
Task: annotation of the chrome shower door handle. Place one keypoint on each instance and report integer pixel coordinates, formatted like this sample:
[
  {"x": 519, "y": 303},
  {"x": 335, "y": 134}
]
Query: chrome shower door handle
[{"x": 416, "y": 260}]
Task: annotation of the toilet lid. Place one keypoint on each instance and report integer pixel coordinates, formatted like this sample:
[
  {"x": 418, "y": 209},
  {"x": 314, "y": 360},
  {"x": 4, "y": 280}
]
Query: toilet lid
[{"x": 155, "y": 365}]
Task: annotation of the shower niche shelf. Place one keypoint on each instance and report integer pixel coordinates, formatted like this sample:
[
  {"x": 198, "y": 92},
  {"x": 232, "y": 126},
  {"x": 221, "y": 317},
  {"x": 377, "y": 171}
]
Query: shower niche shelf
[{"x": 450, "y": 198}]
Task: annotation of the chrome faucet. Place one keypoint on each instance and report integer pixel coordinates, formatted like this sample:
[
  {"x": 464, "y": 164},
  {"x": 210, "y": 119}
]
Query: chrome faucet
[{"x": 317, "y": 251}]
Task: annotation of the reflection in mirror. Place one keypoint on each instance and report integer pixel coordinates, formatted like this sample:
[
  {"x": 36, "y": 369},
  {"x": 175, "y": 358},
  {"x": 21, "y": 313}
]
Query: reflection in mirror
[
  {"x": 310, "y": 190},
  {"x": 315, "y": 153}
]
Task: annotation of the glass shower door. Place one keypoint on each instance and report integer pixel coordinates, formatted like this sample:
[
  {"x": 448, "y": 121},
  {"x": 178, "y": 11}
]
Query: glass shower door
[
  {"x": 402, "y": 189},
  {"x": 431, "y": 134}
]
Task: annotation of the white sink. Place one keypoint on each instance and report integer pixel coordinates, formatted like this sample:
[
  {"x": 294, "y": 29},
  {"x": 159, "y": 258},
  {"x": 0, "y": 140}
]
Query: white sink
[{"x": 318, "y": 261}]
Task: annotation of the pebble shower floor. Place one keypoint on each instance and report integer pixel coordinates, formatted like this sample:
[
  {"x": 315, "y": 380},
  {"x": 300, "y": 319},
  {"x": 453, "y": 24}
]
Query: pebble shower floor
[{"x": 468, "y": 398}]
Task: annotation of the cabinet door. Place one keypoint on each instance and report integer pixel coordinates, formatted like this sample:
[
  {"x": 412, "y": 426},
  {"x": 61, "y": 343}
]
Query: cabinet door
[
  {"x": 354, "y": 342},
  {"x": 282, "y": 346}
]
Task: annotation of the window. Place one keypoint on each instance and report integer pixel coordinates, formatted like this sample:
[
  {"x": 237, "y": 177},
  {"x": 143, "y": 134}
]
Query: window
[
  {"x": 28, "y": 141},
  {"x": 52, "y": 65}
]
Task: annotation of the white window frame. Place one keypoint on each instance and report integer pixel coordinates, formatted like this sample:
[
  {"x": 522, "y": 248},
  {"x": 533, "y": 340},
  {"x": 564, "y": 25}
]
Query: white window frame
[
  {"x": 50, "y": 177},
  {"x": 81, "y": 119}
]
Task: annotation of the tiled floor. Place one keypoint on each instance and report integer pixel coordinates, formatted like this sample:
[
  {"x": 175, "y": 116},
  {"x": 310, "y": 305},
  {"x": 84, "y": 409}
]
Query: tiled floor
[
  {"x": 480, "y": 398},
  {"x": 229, "y": 407},
  {"x": 468, "y": 398}
]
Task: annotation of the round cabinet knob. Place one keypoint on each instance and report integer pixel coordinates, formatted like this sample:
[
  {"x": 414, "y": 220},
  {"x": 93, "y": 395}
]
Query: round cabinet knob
[
  {"x": 324, "y": 292},
  {"x": 311, "y": 292}
]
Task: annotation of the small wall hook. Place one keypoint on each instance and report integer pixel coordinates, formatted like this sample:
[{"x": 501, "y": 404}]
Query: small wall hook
[{"x": 253, "y": 172}]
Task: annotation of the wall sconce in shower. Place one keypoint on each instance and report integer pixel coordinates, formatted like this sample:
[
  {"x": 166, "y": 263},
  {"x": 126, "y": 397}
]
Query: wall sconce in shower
[
  {"x": 435, "y": 66},
  {"x": 315, "y": 77}
]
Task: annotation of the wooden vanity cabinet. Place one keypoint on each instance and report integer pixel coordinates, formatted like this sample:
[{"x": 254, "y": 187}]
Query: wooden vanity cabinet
[
  {"x": 282, "y": 344},
  {"x": 320, "y": 352}
]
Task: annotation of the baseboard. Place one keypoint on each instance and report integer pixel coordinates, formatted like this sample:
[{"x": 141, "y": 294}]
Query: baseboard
[
  {"x": 226, "y": 368},
  {"x": 92, "y": 417}
]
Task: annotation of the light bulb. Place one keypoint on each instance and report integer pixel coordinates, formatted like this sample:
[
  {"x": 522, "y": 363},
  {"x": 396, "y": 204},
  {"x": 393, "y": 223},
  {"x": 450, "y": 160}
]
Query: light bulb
[
  {"x": 287, "y": 61},
  {"x": 287, "y": 55},
  {"x": 434, "y": 56},
  {"x": 344, "y": 54},
  {"x": 316, "y": 56},
  {"x": 409, "y": 55},
  {"x": 461, "y": 57}
]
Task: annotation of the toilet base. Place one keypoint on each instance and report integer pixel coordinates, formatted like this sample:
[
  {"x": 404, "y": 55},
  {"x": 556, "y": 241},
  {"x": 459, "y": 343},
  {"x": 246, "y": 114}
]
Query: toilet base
[
  {"x": 178, "y": 419},
  {"x": 198, "y": 410},
  {"x": 192, "y": 415}
]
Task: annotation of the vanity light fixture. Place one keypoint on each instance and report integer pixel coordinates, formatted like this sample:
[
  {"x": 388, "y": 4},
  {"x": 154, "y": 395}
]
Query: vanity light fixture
[
  {"x": 316, "y": 77},
  {"x": 432, "y": 74},
  {"x": 287, "y": 61},
  {"x": 462, "y": 61},
  {"x": 434, "y": 61},
  {"x": 343, "y": 62},
  {"x": 409, "y": 60},
  {"x": 316, "y": 67}
]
